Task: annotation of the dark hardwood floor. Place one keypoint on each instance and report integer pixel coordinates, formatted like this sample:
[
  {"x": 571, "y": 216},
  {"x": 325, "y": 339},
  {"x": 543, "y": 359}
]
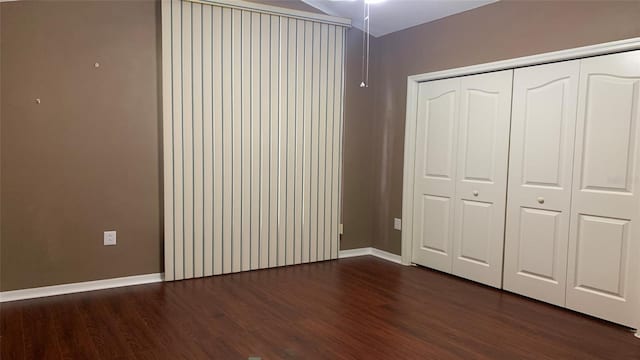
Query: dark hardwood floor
[{"x": 358, "y": 308}]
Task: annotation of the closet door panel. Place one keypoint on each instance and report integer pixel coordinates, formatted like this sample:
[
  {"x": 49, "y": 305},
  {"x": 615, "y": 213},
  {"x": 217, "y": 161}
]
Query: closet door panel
[
  {"x": 539, "y": 197},
  {"x": 604, "y": 242},
  {"x": 481, "y": 176},
  {"x": 434, "y": 187}
]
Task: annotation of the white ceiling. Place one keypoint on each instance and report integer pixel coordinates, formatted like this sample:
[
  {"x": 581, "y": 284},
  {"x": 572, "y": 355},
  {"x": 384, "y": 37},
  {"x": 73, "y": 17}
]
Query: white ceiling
[{"x": 388, "y": 16}]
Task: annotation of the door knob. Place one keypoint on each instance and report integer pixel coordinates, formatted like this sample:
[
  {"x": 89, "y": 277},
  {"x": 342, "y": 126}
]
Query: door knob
[
  {"x": 541, "y": 200},
  {"x": 475, "y": 193}
]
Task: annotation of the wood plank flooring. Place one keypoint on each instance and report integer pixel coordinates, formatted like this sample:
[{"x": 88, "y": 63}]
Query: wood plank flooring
[{"x": 357, "y": 308}]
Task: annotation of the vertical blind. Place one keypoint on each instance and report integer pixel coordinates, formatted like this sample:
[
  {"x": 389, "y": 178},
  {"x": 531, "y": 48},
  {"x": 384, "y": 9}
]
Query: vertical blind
[{"x": 252, "y": 128}]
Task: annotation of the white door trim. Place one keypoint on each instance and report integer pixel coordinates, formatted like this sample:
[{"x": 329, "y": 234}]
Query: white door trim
[
  {"x": 412, "y": 103},
  {"x": 53, "y": 290}
]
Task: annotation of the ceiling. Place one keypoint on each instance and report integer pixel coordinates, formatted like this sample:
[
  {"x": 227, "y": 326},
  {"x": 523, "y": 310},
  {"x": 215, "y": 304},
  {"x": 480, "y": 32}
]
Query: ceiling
[{"x": 388, "y": 16}]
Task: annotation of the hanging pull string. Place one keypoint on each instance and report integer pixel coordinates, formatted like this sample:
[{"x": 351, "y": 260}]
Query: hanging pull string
[{"x": 365, "y": 44}]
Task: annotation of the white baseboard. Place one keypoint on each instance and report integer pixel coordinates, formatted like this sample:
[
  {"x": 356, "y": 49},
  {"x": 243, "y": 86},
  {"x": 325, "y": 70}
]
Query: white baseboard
[
  {"x": 371, "y": 251},
  {"x": 54, "y": 290},
  {"x": 354, "y": 252},
  {"x": 79, "y": 287}
]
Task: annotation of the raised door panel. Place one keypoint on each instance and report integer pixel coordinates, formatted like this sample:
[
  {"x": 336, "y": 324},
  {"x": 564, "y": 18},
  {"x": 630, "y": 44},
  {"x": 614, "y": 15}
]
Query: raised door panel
[
  {"x": 435, "y": 224},
  {"x": 476, "y": 218},
  {"x": 540, "y": 175},
  {"x": 539, "y": 245},
  {"x": 604, "y": 240},
  {"x": 439, "y": 136},
  {"x": 608, "y": 137},
  {"x": 481, "y": 176},
  {"x": 480, "y": 135},
  {"x": 601, "y": 256},
  {"x": 434, "y": 184}
]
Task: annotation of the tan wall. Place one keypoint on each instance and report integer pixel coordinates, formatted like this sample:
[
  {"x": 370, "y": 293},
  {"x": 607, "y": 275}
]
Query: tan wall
[
  {"x": 358, "y": 165},
  {"x": 498, "y": 31},
  {"x": 87, "y": 159}
]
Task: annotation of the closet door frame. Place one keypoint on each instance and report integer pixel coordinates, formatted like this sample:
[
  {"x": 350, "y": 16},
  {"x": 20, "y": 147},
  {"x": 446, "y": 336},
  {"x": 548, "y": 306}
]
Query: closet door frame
[{"x": 413, "y": 82}]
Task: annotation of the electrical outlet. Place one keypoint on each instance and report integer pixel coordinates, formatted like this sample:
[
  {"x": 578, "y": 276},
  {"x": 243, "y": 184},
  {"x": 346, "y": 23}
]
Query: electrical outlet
[
  {"x": 109, "y": 238},
  {"x": 397, "y": 224}
]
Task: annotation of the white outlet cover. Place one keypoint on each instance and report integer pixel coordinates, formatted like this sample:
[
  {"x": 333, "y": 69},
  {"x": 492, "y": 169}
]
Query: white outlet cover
[
  {"x": 397, "y": 224},
  {"x": 109, "y": 238}
]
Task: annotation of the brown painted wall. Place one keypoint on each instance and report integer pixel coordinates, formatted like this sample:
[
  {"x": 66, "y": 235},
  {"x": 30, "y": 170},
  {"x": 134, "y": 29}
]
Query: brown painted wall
[
  {"x": 87, "y": 159},
  {"x": 503, "y": 30},
  {"x": 358, "y": 164}
]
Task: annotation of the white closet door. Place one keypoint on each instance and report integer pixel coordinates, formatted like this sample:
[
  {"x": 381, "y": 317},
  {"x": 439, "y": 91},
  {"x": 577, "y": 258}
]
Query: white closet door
[
  {"x": 481, "y": 180},
  {"x": 604, "y": 242},
  {"x": 434, "y": 187},
  {"x": 540, "y": 168}
]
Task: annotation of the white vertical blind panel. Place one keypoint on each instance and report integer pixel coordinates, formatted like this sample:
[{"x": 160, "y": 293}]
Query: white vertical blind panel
[
  {"x": 255, "y": 139},
  {"x": 315, "y": 140},
  {"x": 289, "y": 187},
  {"x": 329, "y": 126},
  {"x": 227, "y": 140},
  {"x": 167, "y": 134},
  {"x": 236, "y": 139},
  {"x": 322, "y": 139},
  {"x": 282, "y": 141},
  {"x": 198, "y": 132},
  {"x": 216, "y": 101},
  {"x": 307, "y": 46},
  {"x": 207, "y": 138},
  {"x": 274, "y": 120},
  {"x": 265, "y": 43},
  {"x": 246, "y": 141},
  {"x": 178, "y": 190},
  {"x": 187, "y": 138},
  {"x": 299, "y": 143},
  {"x": 252, "y": 127}
]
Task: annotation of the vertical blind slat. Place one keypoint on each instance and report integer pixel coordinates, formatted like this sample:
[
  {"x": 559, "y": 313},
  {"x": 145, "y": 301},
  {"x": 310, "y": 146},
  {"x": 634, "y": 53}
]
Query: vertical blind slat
[
  {"x": 283, "y": 119},
  {"x": 290, "y": 140},
  {"x": 207, "y": 137},
  {"x": 236, "y": 140},
  {"x": 227, "y": 141},
  {"x": 255, "y": 139},
  {"x": 273, "y": 138},
  {"x": 217, "y": 101},
  {"x": 322, "y": 138},
  {"x": 330, "y": 125},
  {"x": 246, "y": 141},
  {"x": 299, "y": 141},
  {"x": 197, "y": 138},
  {"x": 265, "y": 34},
  {"x": 315, "y": 140},
  {"x": 178, "y": 215},
  {"x": 167, "y": 128}
]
